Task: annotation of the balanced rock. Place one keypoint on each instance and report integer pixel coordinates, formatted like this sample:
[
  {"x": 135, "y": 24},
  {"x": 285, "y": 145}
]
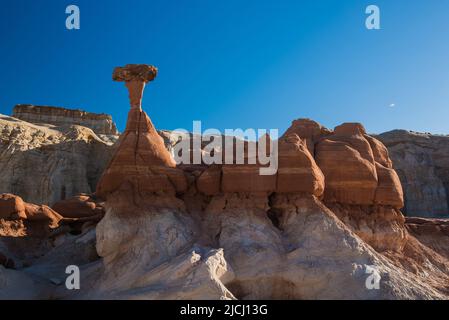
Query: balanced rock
[
  {"x": 141, "y": 162},
  {"x": 146, "y": 235},
  {"x": 303, "y": 233}
]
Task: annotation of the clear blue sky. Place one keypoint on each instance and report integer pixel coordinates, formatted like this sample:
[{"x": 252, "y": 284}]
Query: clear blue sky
[{"x": 235, "y": 63}]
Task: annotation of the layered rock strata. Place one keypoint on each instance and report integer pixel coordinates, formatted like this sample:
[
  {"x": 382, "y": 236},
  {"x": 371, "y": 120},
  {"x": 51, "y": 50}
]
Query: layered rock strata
[
  {"x": 57, "y": 116},
  {"x": 142, "y": 212},
  {"x": 44, "y": 164},
  {"x": 422, "y": 163},
  {"x": 326, "y": 225},
  {"x": 434, "y": 233},
  {"x": 273, "y": 230},
  {"x": 297, "y": 172},
  {"x": 361, "y": 187}
]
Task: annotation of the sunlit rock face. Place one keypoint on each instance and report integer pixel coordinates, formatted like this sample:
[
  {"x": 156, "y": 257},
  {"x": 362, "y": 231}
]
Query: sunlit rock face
[
  {"x": 44, "y": 164},
  {"x": 147, "y": 234},
  {"x": 361, "y": 187},
  {"x": 327, "y": 219}
]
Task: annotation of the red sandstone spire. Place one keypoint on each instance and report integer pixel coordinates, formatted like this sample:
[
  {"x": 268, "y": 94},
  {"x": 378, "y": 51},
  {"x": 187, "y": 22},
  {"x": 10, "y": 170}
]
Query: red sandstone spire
[{"x": 141, "y": 160}]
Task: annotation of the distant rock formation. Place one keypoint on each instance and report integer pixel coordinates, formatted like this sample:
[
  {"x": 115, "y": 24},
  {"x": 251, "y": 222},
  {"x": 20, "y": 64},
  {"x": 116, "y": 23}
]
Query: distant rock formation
[
  {"x": 99, "y": 123},
  {"x": 45, "y": 164},
  {"x": 422, "y": 163}
]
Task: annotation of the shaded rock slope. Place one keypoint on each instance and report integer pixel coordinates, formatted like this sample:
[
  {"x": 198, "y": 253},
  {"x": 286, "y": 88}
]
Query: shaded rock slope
[
  {"x": 422, "y": 163},
  {"x": 47, "y": 163}
]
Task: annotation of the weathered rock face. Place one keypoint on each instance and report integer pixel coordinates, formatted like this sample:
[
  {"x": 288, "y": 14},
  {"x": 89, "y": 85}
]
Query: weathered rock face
[
  {"x": 297, "y": 172},
  {"x": 36, "y": 245},
  {"x": 357, "y": 169},
  {"x": 434, "y": 233},
  {"x": 317, "y": 229},
  {"x": 247, "y": 245},
  {"x": 45, "y": 164},
  {"x": 308, "y": 130},
  {"x": 14, "y": 208},
  {"x": 281, "y": 254},
  {"x": 290, "y": 229},
  {"x": 422, "y": 163},
  {"x": 141, "y": 161},
  {"x": 24, "y": 231},
  {"x": 361, "y": 187},
  {"x": 382, "y": 227},
  {"x": 152, "y": 243},
  {"x": 99, "y": 123},
  {"x": 204, "y": 241},
  {"x": 80, "y": 206},
  {"x": 269, "y": 228},
  {"x": 11, "y": 207}
]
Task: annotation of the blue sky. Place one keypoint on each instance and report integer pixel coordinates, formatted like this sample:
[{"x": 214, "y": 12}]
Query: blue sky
[{"x": 235, "y": 63}]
